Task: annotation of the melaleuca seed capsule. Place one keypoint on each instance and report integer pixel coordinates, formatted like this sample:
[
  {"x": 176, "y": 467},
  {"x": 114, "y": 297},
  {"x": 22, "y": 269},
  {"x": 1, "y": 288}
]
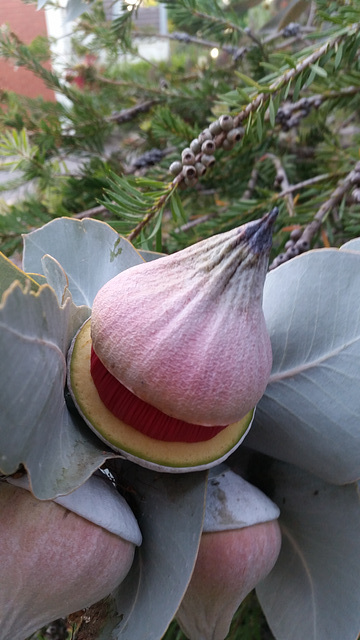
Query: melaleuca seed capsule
[
  {"x": 188, "y": 156},
  {"x": 175, "y": 168},
  {"x": 195, "y": 146},
  {"x": 200, "y": 168},
  {"x": 296, "y": 234},
  {"x": 208, "y": 147},
  {"x": 189, "y": 171},
  {"x": 208, "y": 161},
  {"x": 215, "y": 128},
  {"x": 190, "y": 181},
  {"x": 289, "y": 244},
  {"x": 227, "y": 144},
  {"x": 226, "y": 122},
  {"x": 302, "y": 246},
  {"x": 292, "y": 252},
  {"x": 236, "y": 134},
  {"x": 205, "y": 135}
]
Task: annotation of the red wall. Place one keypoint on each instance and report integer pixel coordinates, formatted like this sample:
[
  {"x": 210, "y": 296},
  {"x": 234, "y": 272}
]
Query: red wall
[{"x": 27, "y": 23}]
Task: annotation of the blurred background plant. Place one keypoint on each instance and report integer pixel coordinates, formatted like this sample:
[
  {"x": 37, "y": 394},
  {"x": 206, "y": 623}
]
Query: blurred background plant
[{"x": 127, "y": 106}]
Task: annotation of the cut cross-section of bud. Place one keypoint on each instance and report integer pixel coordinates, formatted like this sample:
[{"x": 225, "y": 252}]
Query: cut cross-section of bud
[{"x": 179, "y": 353}]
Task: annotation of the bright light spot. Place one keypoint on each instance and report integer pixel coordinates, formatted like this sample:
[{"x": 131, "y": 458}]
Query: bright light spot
[{"x": 214, "y": 52}]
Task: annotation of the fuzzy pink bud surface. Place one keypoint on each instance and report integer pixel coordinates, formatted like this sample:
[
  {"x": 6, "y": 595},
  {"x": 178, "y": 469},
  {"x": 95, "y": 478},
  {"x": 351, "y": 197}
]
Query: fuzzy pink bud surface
[
  {"x": 229, "y": 565},
  {"x": 186, "y": 333},
  {"x": 52, "y": 562}
]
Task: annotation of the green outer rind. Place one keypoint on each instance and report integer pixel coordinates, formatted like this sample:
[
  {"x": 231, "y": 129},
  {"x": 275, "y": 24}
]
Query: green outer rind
[{"x": 145, "y": 461}]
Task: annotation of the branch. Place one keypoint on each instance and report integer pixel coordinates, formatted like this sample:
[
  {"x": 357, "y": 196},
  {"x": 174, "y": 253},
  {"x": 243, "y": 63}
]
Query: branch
[
  {"x": 281, "y": 179},
  {"x": 125, "y": 115},
  {"x": 236, "y": 52},
  {"x": 301, "y": 242},
  {"x": 94, "y": 211}
]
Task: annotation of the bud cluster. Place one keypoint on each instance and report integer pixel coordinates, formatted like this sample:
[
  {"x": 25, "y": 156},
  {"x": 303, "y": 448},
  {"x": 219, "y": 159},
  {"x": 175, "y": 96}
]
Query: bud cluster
[
  {"x": 148, "y": 158},
  {"x": 290, "y": 114},
  {"x": 291, "y": 30},
  {"x": 293, "y": 247},
  {"x": 199, "y": 156}
]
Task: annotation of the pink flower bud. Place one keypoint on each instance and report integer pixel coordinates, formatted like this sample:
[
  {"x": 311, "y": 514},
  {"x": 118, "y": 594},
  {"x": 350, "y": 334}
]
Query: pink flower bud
[
  {"x": 186, "y": 333},
  {"x": 229, "y": 565},
  {"x": 52, "y": 561}
]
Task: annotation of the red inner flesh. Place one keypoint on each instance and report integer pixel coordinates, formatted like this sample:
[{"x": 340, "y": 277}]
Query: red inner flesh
[{"x": 126, "y": 406}]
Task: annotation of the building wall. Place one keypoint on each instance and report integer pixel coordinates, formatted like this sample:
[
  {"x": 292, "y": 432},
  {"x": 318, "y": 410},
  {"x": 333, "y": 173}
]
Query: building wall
[{"x": 27, "y": 23}]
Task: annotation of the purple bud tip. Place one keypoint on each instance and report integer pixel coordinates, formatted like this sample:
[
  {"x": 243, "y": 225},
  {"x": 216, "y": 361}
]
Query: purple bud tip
[{"x": 259, "y": 232}]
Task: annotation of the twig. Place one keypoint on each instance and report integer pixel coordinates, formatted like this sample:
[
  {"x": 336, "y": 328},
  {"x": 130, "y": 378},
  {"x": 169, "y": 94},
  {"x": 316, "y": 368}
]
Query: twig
[
  {"x": 352, "y": 179},
  {"x": 215, "y": 19},
  {"x": 159, "y": 204},
  {"x": 281, "y": 179},
  {"x": 236, "y": 52},
  {"x": 161, "y": 91},
  {"x": 125, "y": 115},
  {"x": 251, "y": 184},
  {"x": 94, "y": 211},
  {"x": 300, "y": 242},
  {"x": 305, "y": 183},
  {"x": 220, "y": 139},
  {"x": 193, "y": 223},
  {"x": 290, "y": 113}
]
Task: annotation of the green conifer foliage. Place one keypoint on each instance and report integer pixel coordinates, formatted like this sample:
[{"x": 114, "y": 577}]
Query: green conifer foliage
[{"x": 290, "y": 78}]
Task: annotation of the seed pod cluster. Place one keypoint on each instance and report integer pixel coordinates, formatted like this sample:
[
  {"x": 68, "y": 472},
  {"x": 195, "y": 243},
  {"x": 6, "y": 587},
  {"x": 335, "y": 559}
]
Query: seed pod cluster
[
  {"x": 296, "y": 244},
  {"x": 224, "y": 133},
  {"x": 291, "y": 30},
  {"x": 290, "y": 114}
]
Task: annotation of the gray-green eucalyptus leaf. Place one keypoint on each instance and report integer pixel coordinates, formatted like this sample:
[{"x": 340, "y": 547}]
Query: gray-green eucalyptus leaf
[
  {"x": 313, "y": 592},
  {"x": 36, "y": 427},
  {"x": 351, "y": 245},
  {"x": 9, "y": 273},
  {"x": 89, "y": 251},
  {"x": 310, "y": 412},
  {"x": 169, "y": 510},
  {"x": 55, "y": 277}
]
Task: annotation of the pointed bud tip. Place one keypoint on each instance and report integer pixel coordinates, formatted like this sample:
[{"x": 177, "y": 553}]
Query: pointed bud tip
[{"x": 259, "y": 232}]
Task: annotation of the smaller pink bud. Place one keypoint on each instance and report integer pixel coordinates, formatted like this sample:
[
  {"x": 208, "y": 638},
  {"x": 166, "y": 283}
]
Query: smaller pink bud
[
  {"x": 230, "y": 562},
  {"x": 53, "y": 561}
]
